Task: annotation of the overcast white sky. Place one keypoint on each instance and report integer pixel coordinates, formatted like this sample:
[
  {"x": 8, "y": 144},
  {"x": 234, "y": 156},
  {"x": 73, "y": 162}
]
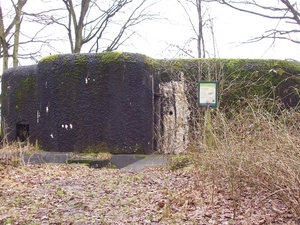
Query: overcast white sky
[{"x": 230, "y": 29}]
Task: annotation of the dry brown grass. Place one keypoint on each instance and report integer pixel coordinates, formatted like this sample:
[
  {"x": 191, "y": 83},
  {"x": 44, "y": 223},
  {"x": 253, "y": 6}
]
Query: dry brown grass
[
  {"x": 254, "y": 150},
  {"x": 12, "y": 154}
]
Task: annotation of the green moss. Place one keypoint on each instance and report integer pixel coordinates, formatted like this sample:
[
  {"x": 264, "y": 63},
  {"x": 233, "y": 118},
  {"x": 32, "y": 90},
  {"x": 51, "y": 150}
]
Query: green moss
[
  {"x": 65, "y": 61},
  {"x": 191, "y": 68},
  {"x": 81, "y": 65},
  {"x": 138, "y": 149},
  {"x": 151, "y": 63},
  {"x": 36, "y": 145},
  {"x": 81, "y": 60},
  {"x": 234, "y": 66},
  {"x": 108, "y": 57},
  {"x": 73, "y": 70},
  {"x": 50, "y": 58},
  {"x": 177, "y": 65},
  {"x": 113, "y": 57},
  {"x": 246, "y": 78},
  {"x": 181, "y": 161},
  {"x": 265, "y": 79},
  {"x": 239, "y": 79},
  {"x": 103, "y": 148},
  {"x": 96, "y": 149},
  {"x": 26, "y": 89}
]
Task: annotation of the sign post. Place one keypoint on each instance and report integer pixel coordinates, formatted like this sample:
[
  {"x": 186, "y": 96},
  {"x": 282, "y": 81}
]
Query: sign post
[
  {"x": 208, "y": 94},
  {"x": 208, "y": 97}
]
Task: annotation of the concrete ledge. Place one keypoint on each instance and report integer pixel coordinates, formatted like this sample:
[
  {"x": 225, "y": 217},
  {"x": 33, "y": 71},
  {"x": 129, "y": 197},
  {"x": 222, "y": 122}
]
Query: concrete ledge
[
  {"x": 149, "y": 161},
  {"x": 125, "y": 162},
  {"x": 118, "y": 161}
]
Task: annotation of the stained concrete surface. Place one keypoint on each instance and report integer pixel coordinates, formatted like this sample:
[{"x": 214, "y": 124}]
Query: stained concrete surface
[
  {"x": 149, "y": 161},
  {"x": 124, "y": 162}
]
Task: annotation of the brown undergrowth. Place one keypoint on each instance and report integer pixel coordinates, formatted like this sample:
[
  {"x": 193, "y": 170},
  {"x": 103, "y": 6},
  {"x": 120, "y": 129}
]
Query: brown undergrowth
[
  {"x": 253, "y": 152},
  {"x": 68, "y": 194}
]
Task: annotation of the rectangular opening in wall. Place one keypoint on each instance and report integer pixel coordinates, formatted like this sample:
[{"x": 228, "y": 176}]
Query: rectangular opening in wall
[{"x": 22, "y": 131}]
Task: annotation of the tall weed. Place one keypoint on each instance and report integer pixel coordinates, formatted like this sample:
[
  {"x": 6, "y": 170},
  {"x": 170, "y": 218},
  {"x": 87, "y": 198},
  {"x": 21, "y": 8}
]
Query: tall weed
[{"x": 256, "y": 149}]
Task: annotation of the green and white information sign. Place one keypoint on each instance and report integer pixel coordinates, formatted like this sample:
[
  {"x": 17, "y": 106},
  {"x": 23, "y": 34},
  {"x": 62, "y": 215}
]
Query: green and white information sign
[{"x": 208, "y": 94}]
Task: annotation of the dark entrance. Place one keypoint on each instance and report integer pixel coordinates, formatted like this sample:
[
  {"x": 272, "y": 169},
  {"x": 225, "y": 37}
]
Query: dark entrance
[{"x": 22, "y": 131}]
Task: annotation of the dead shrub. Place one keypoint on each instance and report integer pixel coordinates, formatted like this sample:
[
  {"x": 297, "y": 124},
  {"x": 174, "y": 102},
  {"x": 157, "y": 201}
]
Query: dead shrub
[
  {"x": 257, "y": 149},
  {"x": 11, "y": 154}
]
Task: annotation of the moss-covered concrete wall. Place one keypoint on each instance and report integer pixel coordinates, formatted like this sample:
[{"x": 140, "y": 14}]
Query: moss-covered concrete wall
[
  {"x": 239, "y": 79},
  {"x": 115, "y": 100},
  {"x": 19, "y": 99},
  {"x": 89, "y": 99}
]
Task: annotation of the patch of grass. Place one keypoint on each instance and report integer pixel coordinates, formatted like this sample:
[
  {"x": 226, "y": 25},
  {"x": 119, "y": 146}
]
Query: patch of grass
[
  {"x": 181, "y": 161},
  {"x": 60, "y": 192},
  {"x": 8, "y": 221}
]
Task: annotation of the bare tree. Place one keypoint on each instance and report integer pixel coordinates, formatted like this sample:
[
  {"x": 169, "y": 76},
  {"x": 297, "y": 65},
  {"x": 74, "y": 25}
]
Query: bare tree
[
  {"x": 6, "y": 33},
  {"x": 102, "y": 25},
  {"x": 17, "y": 21},
  {"x": 198, "y": 27},
  {"x": 197, "y": 24},
  {"x": 284, "y": 11},
  {"x": 11, "y": 19}
]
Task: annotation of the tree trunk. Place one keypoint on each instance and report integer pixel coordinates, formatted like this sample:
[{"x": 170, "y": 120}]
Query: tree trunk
[
  {"x": 17, "y": 22},
  {"x": 78, "y": 26},
  {"x": 5, "y": 55},
  {"x": 3, "y": 43},
  {"x": 200, "y": 39}
]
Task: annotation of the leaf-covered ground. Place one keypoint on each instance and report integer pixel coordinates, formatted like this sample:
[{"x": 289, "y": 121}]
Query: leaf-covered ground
[{"x": 65, "y": 194}]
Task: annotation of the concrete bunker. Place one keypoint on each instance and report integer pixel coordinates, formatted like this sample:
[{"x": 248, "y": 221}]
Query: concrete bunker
[{"x": 125, "y": 102}]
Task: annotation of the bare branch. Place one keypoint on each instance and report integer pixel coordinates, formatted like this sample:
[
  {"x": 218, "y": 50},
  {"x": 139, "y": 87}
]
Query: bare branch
[
  {"x": 231, "y": 5},
  {"x": 132, "y": 20},
  {"x": 285, "y": 12}
]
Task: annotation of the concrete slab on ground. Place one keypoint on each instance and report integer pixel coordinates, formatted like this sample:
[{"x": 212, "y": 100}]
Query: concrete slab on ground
[
  {"x": 149, "y": 161},
  {"x": 46, "y": 157},
  {"x": 124, "y": 162}
]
